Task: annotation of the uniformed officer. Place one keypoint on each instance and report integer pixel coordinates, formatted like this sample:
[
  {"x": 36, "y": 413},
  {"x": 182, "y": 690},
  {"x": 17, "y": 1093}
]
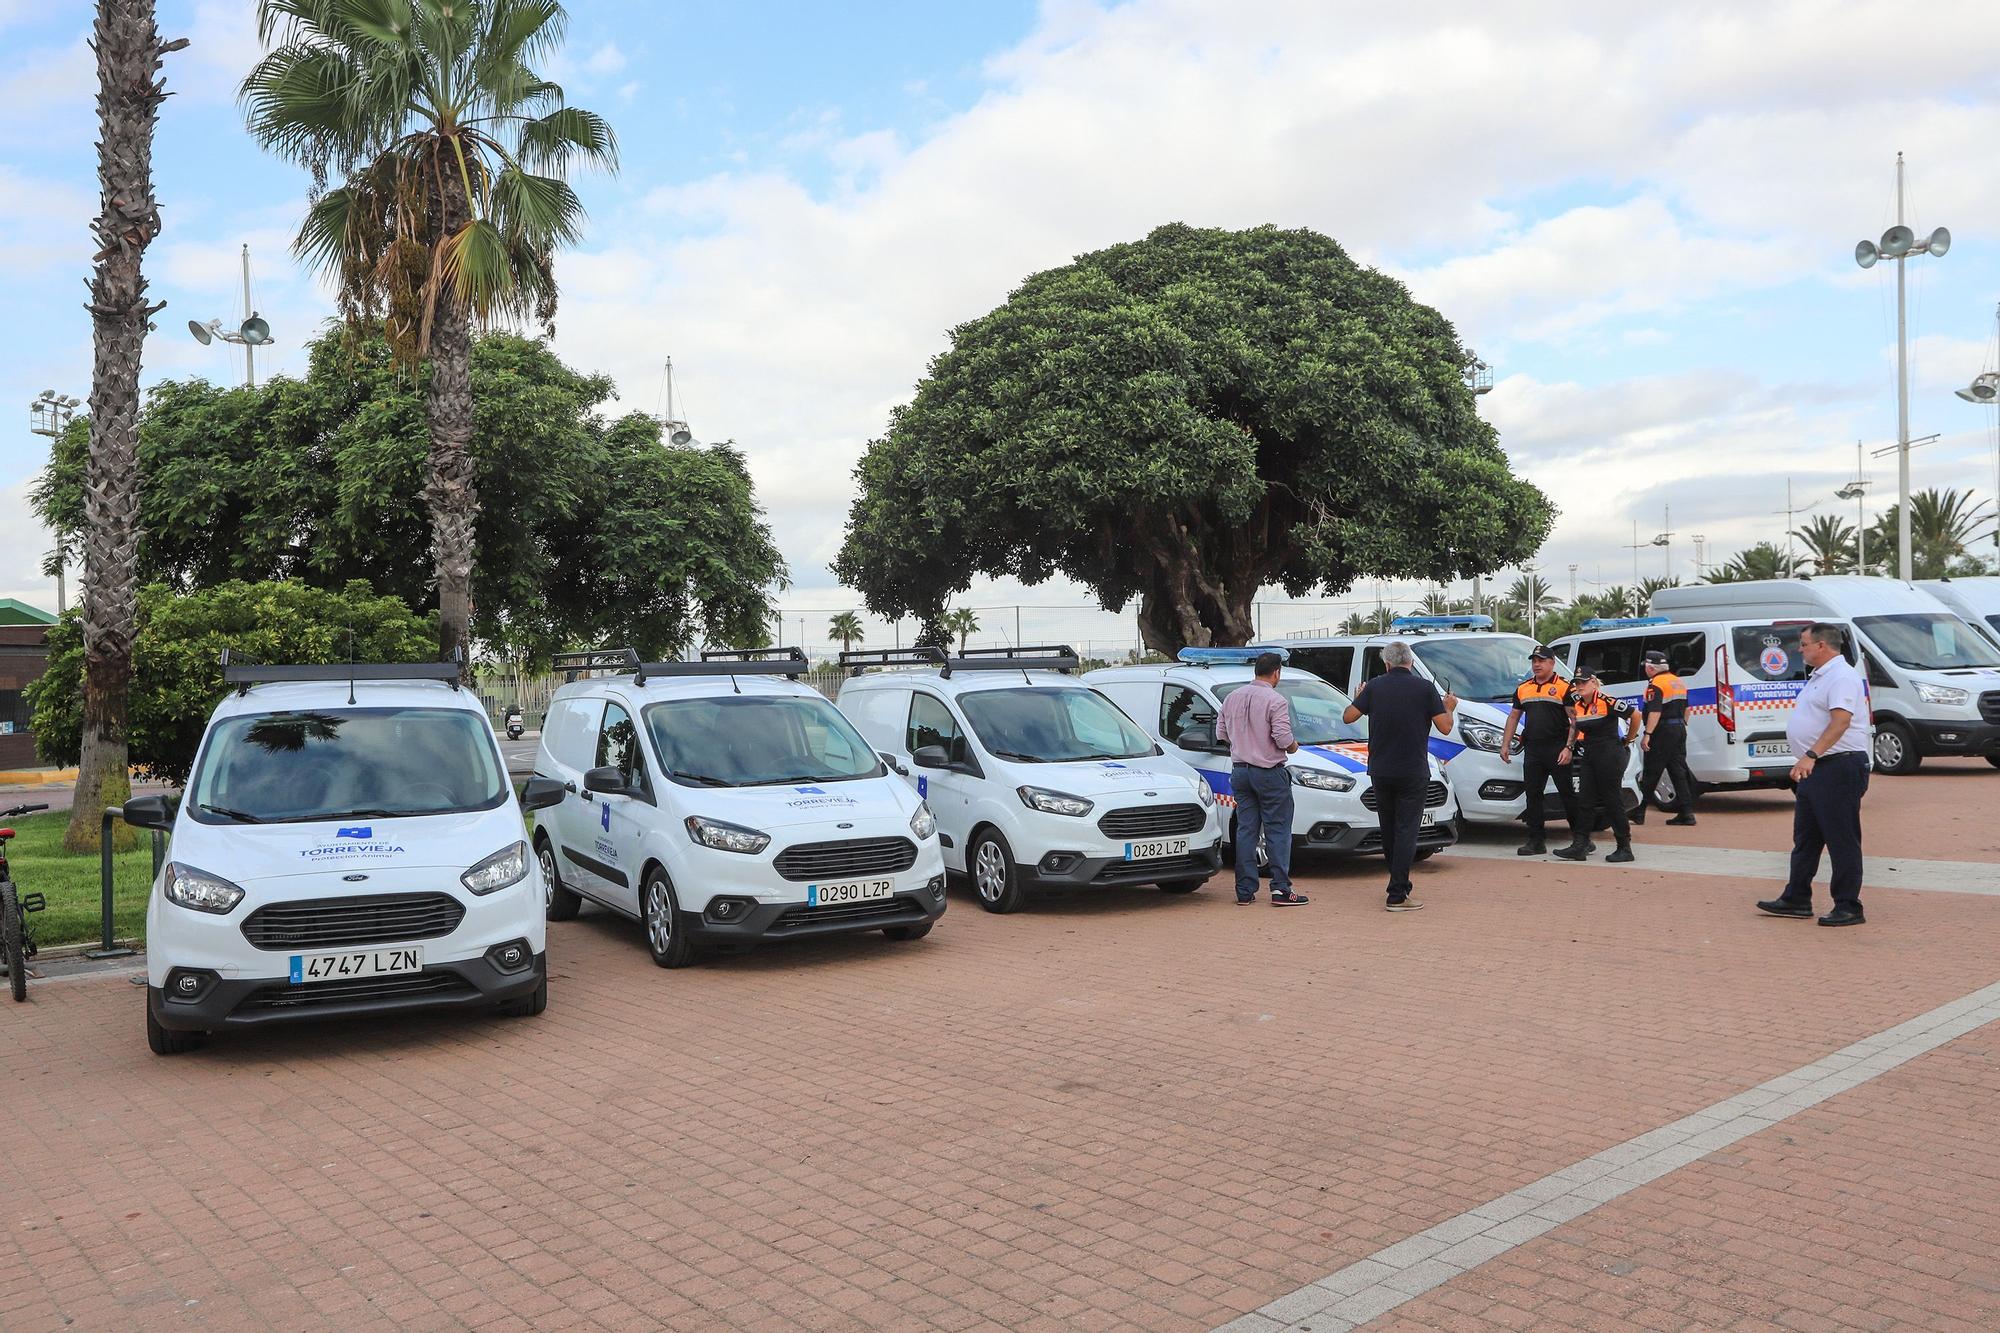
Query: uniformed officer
[
  {"x": 1541, "y": 714},
  {"x": 1666, "y": 739},
  {"x": 1604, "y": 727}
]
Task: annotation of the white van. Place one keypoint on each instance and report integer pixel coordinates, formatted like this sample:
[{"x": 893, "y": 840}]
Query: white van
[
  {"x": 720, "y": 802},
  {"x": 1976, "y": 601},
  {"x": 347, "y": 844},
  {"x": 1334, "y": 809},
  {"x": 1036, "y": 778},
  {"x": 1742, "y": 678},
  {"x": 1466, "y": 656},
  {"x": 1933, "y": 680}
]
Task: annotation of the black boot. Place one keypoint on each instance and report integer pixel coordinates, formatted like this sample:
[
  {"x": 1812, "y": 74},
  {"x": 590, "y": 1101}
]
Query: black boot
[
  {"x": 1639, "y": 816},
  {"x": 1534, "y": 846},
  {"x": 1579, "y": 848},
  {"x": 1624, "y": 852}
]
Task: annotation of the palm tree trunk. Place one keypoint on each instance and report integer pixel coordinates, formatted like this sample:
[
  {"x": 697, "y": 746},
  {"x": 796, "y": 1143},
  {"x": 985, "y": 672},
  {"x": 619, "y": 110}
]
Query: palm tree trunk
[
  {"x": 452, "y": 488},
  {"x": 128, "y": 46}
]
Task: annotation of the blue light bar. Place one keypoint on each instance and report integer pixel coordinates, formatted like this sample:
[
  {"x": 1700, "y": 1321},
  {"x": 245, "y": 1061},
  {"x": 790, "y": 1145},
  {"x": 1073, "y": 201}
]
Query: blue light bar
[
  {"x": 1421, "y": 623},
  {"x": 1226, "y": 656},
  {"x": 1624, "y": 622}
]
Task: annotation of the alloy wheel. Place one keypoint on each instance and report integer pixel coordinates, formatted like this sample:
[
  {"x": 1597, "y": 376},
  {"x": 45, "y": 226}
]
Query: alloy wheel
[
  {"x": 989, "y": 871},
  {"x": 659, "y": 916}
]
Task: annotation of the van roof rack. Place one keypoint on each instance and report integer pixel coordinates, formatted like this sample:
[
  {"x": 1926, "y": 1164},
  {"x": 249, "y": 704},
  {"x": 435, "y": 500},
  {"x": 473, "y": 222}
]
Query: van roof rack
[
  {"x": 856, "y": 660},
  {"x": 1025, "y": 657},
  {"x": 1434, "y": 624},
  {"x": 242, "y": 673},
  {"x": 1624, "y": 622},
  {"x": 1208, "y": 657},
  {"x": 713, "y": 662}
]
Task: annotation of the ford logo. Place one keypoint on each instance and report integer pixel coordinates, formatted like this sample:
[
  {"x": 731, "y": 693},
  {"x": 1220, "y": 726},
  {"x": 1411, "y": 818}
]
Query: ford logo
[
  {"x": 353, "y": 879},
  {"x": 843, "y": 826}
]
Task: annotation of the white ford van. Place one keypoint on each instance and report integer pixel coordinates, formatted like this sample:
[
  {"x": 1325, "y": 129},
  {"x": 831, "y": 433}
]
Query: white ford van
[
  {"x": 1466, "y": 656},
  {"x": 1334, "y": 809},
  {"x": 1933, "y": 680},
  {"x": 348, "y": 844},
  {"x": 1742, "y": 678},
  {"x": 723, "y": 802},
  {"x": 1976, "y": 601},
  {"x": 1036, "y": 778}
]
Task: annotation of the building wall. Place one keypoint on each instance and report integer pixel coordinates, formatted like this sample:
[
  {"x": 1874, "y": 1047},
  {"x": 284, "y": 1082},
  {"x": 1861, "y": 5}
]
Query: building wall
[{"x": 23, "y": 656}]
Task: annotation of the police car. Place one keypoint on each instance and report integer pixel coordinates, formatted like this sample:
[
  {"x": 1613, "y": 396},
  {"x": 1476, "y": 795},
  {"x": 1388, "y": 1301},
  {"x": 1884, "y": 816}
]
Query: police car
[
  {"x": 1036, "y": 778},
  {"x": 720, "y": 801},
  {"x": 1466, "y": 656},
  {"x": 348, "y": 844},
  {"x": 1334, "y": 806}
]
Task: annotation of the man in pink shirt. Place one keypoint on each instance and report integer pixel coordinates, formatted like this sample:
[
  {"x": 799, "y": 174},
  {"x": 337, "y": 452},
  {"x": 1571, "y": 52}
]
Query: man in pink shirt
[{"x": 1256, "y": 723}]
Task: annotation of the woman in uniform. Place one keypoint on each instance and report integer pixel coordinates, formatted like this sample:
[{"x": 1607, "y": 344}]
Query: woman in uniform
[{"x": 1600, "y": 765}]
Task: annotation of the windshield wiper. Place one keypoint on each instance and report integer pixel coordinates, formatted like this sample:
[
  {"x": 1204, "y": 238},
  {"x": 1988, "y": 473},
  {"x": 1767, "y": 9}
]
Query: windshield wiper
[
  {"x": 240, "y": 816},
  {"x": 372, "y": 812},
  {"x": 702, "y": 779},
  {"x": 1016, "y": 754}
]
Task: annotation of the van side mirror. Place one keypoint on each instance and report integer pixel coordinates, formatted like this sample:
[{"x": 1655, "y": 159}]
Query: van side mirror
[
  {"x": 150, "y": 812},
  {"x": 1198, "y": 739},
  {"x": 895, "y": 764},
  {"x": 606, "y": 781},
  {"x": 541, "y": 793},
  {"x": 930, "y": 756}
]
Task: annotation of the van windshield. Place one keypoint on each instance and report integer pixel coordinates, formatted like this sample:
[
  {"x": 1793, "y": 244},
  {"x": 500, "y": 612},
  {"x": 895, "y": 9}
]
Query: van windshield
[
  {"x": 1051, "y": 724},
  {"x": 1928, "y": 641},
  {"x": 1487, "y": 668},
  {"x": 288, "y": 768},
  {"x": 1316, "y": 710},
  {"x": 757, "y": 741}
]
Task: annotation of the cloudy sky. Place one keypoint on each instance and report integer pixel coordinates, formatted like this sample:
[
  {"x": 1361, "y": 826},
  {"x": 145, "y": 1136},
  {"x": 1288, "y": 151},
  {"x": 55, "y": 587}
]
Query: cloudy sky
[{"x": 1642, "y": 216}]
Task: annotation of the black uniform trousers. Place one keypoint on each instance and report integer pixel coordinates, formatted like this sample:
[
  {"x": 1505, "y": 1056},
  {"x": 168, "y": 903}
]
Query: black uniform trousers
[
  {"x": 1538, "y": 765},
  {"x": 1667, "y": 753},
  {"x": 1828, "y": 818},
  {"x": 1399, "y": 808},
  {"x": 1600, "y": 772}
]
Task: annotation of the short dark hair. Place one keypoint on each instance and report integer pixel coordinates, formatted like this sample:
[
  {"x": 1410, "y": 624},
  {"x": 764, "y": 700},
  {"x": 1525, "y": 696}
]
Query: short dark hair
[
  {"x": 1267, "y": 664},
  {"x": 1833, "y": 636}
]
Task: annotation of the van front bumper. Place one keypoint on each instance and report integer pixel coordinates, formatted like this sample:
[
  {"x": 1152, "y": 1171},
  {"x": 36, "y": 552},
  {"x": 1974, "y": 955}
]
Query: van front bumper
[
  {"x": 1071, "y": 869},
  {"x": 743, "y": 920},
  {"x": 1366, "y": 839},
  {"x": 208, "y": 1001},
  {"x": 1942, "y": 738}
]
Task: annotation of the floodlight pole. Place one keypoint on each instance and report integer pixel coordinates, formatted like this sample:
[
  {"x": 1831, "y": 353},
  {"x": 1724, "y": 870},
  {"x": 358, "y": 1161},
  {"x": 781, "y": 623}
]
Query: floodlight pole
[
  {"x": 1903, "y": 562},
  {"x": 249, "y": 350}
]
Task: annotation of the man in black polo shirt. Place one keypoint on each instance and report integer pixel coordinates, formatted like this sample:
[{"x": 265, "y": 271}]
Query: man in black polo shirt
[{"x": 1402, "y": 708}]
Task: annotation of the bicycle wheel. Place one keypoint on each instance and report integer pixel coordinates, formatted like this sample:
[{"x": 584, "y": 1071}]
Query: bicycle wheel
[{"x": 10, "y": 936}]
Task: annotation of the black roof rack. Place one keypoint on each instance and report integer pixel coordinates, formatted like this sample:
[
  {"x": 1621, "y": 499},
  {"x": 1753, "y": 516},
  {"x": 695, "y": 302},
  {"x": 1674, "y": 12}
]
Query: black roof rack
[
  {"x": 713, "y": 662},
  {"x": 854, "y": 660},
  {"x": 1025, "y": 657},
  {"x": 242, "y": 674}
]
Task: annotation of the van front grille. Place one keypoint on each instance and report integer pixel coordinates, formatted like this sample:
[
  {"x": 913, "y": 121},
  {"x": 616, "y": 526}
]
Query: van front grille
[
  {"x": 846, "y": 859},
  {"x": 336, "y": 923}
]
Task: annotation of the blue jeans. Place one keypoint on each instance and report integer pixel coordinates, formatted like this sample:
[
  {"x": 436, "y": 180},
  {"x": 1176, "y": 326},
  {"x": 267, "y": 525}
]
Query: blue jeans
[{"x": 1263, "y": 804}]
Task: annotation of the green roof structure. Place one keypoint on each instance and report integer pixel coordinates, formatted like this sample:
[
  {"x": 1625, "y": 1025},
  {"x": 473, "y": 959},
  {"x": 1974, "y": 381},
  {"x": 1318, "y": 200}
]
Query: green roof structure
[{"x": 20, "y": 613}]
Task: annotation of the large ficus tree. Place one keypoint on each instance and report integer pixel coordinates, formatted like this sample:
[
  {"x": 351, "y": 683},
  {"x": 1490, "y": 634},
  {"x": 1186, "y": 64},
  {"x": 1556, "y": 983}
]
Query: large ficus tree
[
  {"x": 1185, "y": 420},
  {"x": 438, "y": 158}
]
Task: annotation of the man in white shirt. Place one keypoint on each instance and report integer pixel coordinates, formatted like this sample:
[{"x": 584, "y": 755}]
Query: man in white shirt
[{"x": 1829, "y": 739}]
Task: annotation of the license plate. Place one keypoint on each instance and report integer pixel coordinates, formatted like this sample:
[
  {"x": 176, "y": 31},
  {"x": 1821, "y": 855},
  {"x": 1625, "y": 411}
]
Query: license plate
[
  {"x": 358, "y": 963},
  {"x": 849, "y": 891},
  {"x": 1158, "y": 847},
  {"x": 1770, "y": 750},
  {"x": 1430, "y": 820}
]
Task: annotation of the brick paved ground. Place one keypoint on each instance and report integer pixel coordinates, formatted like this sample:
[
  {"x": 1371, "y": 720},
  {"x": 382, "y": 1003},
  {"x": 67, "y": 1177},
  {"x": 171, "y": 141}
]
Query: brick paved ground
[{"x": 1113, "y": 1111}]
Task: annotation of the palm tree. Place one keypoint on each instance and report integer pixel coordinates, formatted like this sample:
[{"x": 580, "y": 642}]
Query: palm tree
[
  {"x": 449, "y": 154},
  {"x": 964, "y": 622},
  {"x": 1647, "y": 587},
  {"x": 1944, "y": 524},
  {"x": 126, "y": 38},
  {"x": 847, "y": 628},
  {"x": 1762, "y": 561},
  {"x": 1829, "y": 544},
  {"x": 1436, "y": 603},
  {"x": 1619, "y": 600},
  {"x": 1358, "y": 622}
]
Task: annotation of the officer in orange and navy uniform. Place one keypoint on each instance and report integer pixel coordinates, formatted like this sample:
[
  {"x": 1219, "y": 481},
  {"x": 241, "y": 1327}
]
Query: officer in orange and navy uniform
[
  {"x": 1604, "y": 728},
  {"x": 1541, "y": 714},
  {"x": 1666, "y": 739}
]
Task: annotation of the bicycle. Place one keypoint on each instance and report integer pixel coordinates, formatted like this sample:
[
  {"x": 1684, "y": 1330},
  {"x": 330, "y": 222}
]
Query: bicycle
[{"x": 17, "y": 942}]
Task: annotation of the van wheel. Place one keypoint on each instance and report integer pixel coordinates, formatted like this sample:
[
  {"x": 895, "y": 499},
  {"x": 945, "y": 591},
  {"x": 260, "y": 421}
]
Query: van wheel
[
  {"x": 1182, "y": 885},
  {"x": 528, "y": 1005},
  {"x": 559, "y": 904},
  {"x": 1993, "y": 759},
  {"x": 666, "y": 939},
  {"x": 916, "y": 932},
  {"x": 1895, "y": 749},
  {"x": 1426, "y": 853},
  {"x": 995, "y": 877},
  {"x": 166, "y": 1041}
]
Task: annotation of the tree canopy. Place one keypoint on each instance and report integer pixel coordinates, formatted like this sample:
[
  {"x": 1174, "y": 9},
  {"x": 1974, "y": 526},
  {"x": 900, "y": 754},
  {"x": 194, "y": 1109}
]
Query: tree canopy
[
  {"x": 592, "y": 528},
  {"x": 1183, "y": 420}
]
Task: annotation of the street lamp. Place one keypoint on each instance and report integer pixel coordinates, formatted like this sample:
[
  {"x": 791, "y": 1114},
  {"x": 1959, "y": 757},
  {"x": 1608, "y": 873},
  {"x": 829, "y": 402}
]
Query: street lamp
[
  {"x": 1900, "y": 243},
  {"x": 49, "y": 414},
  {"x": 1637, "y": 546},
  {"x": 251, "y": 334},
  {"x": 1985, "y": 391}
]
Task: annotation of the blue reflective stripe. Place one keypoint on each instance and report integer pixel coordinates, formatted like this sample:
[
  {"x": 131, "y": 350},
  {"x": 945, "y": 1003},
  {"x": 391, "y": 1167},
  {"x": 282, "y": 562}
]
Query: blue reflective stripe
[
  {"x": 1217, "y": 781},
  {"x": 1335, "y": 757},
  {"x": 1444, "y": 751}
]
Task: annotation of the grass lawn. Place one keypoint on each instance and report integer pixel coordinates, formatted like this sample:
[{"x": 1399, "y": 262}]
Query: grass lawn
[{"x": 38, "y": 864}]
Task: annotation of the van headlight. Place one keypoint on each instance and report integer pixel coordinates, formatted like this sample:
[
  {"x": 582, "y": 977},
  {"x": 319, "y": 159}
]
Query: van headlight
[
  {"x": 507, "y": 866},
  {"x": 198, "y": 890},
  {"x": 1204, "y": 791},
  {"x": 726, "y": 837},
  {"x": 1479, "y": 735},
  {"x": 1948, "y": 696},
  {"x": 923, "y": 823},
  {"x": 1053, "y": 802},
  {"x": 1321, "y": 780}
]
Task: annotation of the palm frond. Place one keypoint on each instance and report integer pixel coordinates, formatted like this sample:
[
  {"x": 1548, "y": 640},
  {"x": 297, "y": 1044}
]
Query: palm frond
[
  {"x": 565, "y": 134},
  {"x": 474, "y": 263},
  {"x": 542, "y": 210}
]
